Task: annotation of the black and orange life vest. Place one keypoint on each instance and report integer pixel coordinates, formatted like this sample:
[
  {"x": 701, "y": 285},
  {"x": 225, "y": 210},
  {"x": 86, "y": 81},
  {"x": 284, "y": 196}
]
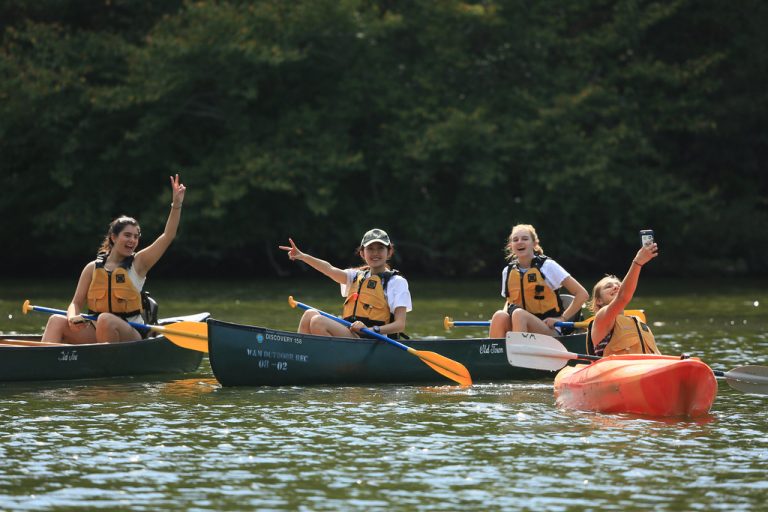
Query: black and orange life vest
[
  {"x": 367, "y": 299},
  {"x": 628, "y": 336},
  {"x": 113, "y": 292},
  {"x": 530, "y": 291}
]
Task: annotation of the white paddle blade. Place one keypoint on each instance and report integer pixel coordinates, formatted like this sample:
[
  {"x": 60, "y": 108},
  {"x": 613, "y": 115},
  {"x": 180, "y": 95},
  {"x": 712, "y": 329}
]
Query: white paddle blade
[
  {"x": 536, "y": 351},
  {"x": 749, "y": 379}
]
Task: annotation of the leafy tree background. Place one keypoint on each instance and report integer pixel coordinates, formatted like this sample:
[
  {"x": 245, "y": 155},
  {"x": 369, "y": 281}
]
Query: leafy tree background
[{"x": 444, "y": 122}]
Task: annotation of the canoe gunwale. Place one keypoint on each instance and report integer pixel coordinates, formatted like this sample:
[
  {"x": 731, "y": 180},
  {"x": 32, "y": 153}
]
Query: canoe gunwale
[
  {"x": 248, "y": 355},
  {"x": 156, "y": 355}
]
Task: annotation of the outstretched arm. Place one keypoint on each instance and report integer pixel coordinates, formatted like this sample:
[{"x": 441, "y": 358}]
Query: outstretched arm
[
  {"x": 147, "y": 257},
  {"x": 606, "y": 317},
  {"x": 323, "y": 266}
]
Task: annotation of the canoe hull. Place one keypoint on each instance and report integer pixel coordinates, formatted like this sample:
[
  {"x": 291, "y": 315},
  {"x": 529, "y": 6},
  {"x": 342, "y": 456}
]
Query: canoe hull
[
  {"x": 243, "y": 355},
  {"x": 93, "y": 360},
  {"x": 638, "y": 384}
]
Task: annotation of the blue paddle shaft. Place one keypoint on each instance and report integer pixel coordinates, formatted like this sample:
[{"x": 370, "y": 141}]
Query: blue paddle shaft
[
  {"x": 367, "y": 331},
  {"x": 42, "y": 309},
  {"x": 464, "y": 323}
]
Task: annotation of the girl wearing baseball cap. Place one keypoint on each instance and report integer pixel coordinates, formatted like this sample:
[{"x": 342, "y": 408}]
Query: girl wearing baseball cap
[{"x": 376, "y": 296}]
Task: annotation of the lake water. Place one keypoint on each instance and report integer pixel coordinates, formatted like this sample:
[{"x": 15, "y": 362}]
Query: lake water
[{"x": 185, "y": 443}]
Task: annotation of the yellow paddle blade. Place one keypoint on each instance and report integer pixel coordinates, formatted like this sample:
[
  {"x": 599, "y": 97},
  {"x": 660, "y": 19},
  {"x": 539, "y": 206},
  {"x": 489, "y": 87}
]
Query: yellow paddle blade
[
  {"x": 189, "y": 335},
  {"x": 447, "y": 323},
  {"x": 454, "y": 370}
]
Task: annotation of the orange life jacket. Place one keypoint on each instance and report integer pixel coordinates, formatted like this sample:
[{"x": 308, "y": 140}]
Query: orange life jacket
[
  {"x": 113, "y": 292},
  {"x": 367, "y": 299},
  {"x": 530, "y": 291},
  {"x": 628, "y": 336}
]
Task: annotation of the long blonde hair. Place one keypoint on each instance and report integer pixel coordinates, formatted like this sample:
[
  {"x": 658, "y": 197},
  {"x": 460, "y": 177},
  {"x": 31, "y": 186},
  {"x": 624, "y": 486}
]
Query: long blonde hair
[
  {"x": 537, "y": 249},
  {"x": 591, "y": 303}
]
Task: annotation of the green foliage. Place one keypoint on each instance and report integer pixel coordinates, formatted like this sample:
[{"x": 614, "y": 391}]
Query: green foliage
[{"x": 443, "y": 122}]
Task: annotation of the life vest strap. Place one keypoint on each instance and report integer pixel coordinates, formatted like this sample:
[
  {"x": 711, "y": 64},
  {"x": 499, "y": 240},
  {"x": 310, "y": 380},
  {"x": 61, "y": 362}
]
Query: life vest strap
[{"x": 124, "y": 316}]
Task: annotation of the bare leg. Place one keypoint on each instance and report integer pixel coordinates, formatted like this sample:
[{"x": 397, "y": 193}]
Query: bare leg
[
  {"x": 113, "y": 329},
  {"x": 500, "y": 324},
  {"x": 322, "y": 326},
  {"x": 306, "y": 318},
  {"x": 523, "y": 321},
  {"x": 58, "y": 330}
]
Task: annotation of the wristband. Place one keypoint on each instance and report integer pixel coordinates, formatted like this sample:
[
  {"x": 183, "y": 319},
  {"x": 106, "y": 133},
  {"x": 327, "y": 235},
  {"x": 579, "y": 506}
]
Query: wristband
[
  {"x": 636, "y": 263},
  {"x": 176, "y": 207},
  {"x": 376, "y": 329}
]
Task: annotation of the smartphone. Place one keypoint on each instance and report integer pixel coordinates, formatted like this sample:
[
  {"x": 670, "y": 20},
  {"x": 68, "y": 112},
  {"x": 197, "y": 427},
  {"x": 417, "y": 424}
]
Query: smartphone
[{"x": 646, "y": 237}]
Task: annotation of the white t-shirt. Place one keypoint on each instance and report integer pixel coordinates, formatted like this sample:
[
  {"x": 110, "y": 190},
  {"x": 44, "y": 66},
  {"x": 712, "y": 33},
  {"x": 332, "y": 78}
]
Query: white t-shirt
[
  {"x": 554, "y": 275},
  {"x": 397, "y": 292}
]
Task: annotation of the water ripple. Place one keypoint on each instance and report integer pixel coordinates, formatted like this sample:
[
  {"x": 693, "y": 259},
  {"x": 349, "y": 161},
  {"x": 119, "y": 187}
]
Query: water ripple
[{"x": 189, "y": 444}]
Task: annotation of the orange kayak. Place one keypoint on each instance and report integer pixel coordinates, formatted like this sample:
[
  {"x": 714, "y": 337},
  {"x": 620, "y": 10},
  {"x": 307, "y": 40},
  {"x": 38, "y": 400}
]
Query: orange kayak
[{"x": 639, "y": 384}]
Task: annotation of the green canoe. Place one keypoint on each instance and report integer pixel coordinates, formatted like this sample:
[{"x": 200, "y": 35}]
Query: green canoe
[
  {"x": 24, "y": 358},
  {"x": 243, "y": 355}
]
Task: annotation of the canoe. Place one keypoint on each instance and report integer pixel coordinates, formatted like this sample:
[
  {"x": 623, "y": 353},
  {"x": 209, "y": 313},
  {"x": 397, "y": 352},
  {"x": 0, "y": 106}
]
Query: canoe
[
  {"x": 25, "y": 358},
  {"x": 243, "y": 355},
  {"x": 639, "y": 384}
]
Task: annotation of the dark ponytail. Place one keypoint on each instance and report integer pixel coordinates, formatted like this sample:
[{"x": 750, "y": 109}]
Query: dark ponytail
[{"x": 115, "y": 227}]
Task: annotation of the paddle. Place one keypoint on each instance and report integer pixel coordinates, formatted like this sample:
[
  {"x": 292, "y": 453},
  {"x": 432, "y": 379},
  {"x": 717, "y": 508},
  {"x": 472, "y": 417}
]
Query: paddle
[
  {"x": 30, "y": 343},
  {"x": 542, "y": 352},
  {"x": 448, "y": 322},
  {"x": 454, "y": 370},
  {"x": 189, "y": 335}
]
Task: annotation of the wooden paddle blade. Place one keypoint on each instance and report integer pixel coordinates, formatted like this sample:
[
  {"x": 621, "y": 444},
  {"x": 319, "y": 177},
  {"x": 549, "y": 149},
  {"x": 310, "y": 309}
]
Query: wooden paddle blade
[
  {"x": 189, "y": 335},
  {"x": 454, "y": 370},
  {"x": 748, "y": 379}
]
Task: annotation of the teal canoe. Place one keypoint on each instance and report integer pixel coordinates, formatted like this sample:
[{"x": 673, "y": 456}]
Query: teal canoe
[
  {"x": 243, "y": 355},
  {"x": 25, "y": 358}
]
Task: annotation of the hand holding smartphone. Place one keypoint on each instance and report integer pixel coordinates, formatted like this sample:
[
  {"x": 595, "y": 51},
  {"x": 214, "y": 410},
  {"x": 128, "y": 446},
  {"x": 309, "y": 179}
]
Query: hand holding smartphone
[{"x": 646, "y": 237}]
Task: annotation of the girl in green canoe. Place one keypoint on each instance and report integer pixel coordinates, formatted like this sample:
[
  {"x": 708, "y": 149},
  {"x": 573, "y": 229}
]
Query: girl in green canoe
[
  {"x": 376, "y": 296},
  {"x": 531, "y": 284},
  {"x": 111, "y": 285}
]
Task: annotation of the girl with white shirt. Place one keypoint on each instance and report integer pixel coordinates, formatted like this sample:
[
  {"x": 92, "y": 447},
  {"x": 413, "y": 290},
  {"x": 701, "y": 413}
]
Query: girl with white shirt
[
  {"x": 531, "y": 284},
  {"x": 376, "y": 296}
]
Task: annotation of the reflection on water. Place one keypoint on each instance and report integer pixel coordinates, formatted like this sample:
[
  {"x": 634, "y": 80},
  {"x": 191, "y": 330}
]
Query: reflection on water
[
  {"x": 186, "y": 443},
  {"x": 188, "y": 388}
]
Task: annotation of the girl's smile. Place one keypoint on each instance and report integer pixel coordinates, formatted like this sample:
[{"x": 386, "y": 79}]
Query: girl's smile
[
  {"x": 609, "y": 292},
  {"x": 521, "y": 243},
  {"x": 127, "y": 241},
  {"x": 376, "y": 255}
]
